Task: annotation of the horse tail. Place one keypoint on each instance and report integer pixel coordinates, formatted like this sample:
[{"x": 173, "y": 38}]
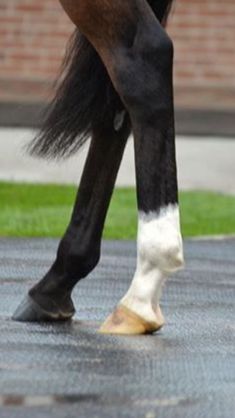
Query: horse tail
[
  {"x": 85, "y": 98},
  {"x": 162, "y": 9}
]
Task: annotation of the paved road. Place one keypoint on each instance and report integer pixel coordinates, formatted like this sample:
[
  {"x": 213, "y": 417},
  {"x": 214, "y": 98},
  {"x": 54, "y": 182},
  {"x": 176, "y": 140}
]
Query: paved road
[
  {"x": 185, "y": 371},
  {"x": 203, "y": 163}
]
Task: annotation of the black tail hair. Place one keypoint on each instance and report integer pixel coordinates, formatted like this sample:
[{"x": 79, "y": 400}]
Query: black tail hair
[{"x": 84, "y": 99}]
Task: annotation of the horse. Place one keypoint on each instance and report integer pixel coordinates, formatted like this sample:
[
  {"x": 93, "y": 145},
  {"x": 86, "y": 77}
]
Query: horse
[{"x": 117, "y": 79}]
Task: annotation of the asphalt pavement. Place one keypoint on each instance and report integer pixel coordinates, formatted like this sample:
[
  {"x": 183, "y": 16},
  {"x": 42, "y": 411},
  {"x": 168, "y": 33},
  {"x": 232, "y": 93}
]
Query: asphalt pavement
[{"x": 187, "y": 370}]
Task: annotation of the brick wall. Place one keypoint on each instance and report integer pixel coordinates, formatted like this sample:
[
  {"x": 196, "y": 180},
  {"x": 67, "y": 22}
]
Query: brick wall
[
  {"x": 204, "y": 35},
  {"x": 33, "y": 36}
]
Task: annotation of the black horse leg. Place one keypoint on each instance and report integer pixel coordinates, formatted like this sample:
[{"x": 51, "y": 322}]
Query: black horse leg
[
  {"x": 79, "y": 249},
  {"x": 159, "y": 242},
  {"x": 159, "y": 246}
]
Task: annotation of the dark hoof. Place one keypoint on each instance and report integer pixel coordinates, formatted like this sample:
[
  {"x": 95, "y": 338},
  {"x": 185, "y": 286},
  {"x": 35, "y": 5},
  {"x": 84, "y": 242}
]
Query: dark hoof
[{"x": 31, "y": 311}]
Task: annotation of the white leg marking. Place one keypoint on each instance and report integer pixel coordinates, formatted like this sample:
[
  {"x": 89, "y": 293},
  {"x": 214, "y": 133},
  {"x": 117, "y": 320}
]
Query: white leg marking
[{"x": 159, "y": 252}]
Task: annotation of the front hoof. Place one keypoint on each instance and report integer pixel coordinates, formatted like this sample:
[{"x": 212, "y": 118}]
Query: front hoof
[
  {"x": 31, "y": 311},
  {"x": 125, "y": 322}
]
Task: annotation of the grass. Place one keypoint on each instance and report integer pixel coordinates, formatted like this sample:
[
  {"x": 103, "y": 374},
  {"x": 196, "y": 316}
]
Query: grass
[{"x": 29, "y": 210}]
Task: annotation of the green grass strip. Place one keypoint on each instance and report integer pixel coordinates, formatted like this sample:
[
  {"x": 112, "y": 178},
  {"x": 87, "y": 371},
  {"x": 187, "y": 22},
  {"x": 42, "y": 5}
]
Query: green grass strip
[{"x": 30, "y": 210}]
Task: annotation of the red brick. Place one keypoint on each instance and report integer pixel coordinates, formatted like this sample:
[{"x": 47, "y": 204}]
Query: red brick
[{"x": 33, "y": 36}]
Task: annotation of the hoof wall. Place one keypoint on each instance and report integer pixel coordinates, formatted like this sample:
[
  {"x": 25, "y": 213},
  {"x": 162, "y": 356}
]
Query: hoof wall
[
  {"x": 30, "y": 311},
  {"x": 125, "y": 322}
]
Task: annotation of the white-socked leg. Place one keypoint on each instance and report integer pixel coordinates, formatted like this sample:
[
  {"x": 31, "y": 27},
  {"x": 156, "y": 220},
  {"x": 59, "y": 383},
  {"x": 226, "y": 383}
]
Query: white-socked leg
[
  {"x": 150, "y": 106},
  {"x": 159, "y": 253}
]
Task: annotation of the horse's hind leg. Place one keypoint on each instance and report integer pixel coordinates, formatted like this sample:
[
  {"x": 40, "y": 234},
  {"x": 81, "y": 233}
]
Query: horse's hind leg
[
  {"x": 79, "y": 250},
  {"x": 150, "y": 104},
  {"x": 138, "y": 55}
]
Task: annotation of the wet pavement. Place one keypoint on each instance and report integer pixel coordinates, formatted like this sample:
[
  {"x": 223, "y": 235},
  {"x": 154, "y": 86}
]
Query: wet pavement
[{"x": 68, "y": 370}]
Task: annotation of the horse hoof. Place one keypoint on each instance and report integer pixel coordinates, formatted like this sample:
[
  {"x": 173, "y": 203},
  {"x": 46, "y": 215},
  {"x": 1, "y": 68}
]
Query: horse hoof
[
  {"x": 31, "y": 311},
  {"x": 125, "y": 322}
]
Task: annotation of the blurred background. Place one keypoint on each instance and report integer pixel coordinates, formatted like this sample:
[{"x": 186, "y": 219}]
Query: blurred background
[{"x": 33, "y": 37}]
